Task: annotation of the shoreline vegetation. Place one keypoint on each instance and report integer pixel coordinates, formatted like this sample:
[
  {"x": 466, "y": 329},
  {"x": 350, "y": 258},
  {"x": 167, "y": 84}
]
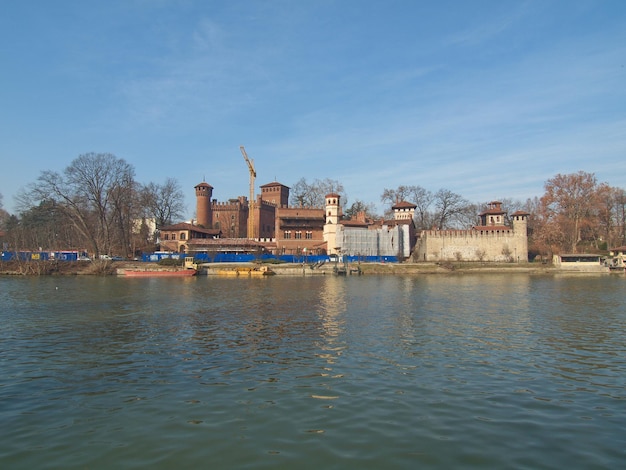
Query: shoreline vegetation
[{"x": 106, "y": 268}]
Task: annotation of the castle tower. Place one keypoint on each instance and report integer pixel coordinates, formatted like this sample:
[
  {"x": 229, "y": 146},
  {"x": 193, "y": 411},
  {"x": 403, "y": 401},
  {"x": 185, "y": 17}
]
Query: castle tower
[
  {"x": 493, "y": 216},
  {"x": 275, "y": 193},
  {"x": 332, "y": 227},
  {"x": 204, "y": 213},
  {"x": 403, "y": 210},
  {"x": 520, "y": 230}
]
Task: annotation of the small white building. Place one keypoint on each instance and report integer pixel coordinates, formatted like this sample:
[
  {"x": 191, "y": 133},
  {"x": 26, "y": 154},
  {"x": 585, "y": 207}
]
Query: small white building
[{"x": 587, "y": 263}]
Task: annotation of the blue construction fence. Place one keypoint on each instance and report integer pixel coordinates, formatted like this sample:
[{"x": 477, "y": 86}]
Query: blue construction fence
[
  {"x": 42, "y": 255},
  {"x": 247, "y": 258},
  {"x": 202, "y": 257}
]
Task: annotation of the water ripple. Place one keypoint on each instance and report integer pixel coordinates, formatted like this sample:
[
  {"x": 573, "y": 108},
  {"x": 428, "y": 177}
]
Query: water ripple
[{"x": 314, "y": 373}]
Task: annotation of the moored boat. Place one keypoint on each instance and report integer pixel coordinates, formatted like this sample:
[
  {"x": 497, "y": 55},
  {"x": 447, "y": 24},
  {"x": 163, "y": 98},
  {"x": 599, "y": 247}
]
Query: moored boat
[
  {"x": 246, "y": 272},
  {"x": 190, "y": 269},
  {"x": 262, "y": 271},
  {"x": 159, "y": 273}
]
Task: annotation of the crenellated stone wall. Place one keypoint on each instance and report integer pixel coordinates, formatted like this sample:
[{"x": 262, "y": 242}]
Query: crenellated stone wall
[{"x": 479, "y": 244}]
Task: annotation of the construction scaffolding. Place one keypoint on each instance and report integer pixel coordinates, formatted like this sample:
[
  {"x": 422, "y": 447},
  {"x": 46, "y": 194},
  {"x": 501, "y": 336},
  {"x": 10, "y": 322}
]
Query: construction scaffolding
[{"x": 386, "y": 241}]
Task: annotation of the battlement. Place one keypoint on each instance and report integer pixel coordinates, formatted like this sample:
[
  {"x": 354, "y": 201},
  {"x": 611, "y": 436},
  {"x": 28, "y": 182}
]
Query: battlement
[
  {"x": 477, "y": 233},
  {"x": 303, "y": 209},
  {"x": 229, "y": 208}
]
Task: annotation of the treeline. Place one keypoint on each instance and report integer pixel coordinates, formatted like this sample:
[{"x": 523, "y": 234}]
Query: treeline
[
  {"x": 577, "y": 213},
  {"x": 96, "y": 204}
]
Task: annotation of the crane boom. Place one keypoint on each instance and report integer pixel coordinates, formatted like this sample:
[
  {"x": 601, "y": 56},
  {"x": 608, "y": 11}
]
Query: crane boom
[{"x": 251, "y": 201}]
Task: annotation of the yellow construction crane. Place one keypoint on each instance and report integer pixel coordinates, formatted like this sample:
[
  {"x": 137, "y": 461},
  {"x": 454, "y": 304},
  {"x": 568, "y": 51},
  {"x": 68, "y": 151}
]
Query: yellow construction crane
[{"x": 251, "y": 201}]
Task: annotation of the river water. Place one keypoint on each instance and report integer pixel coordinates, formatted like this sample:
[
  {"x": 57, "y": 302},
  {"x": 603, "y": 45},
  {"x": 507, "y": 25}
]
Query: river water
[{"x": 437, "y": 371}]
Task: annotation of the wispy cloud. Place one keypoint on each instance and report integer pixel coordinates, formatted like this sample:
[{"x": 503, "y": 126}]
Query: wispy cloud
[{"x": 479, "y": 100}]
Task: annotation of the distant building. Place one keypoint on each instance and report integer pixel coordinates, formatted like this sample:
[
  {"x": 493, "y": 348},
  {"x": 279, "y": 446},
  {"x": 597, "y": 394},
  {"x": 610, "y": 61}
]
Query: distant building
[
  {"x": 299, "y": 230},
  {"x": 369, "y": 238},
  {"x": 185, "y": 237},
  {"x": 281, "y": 229},
  {"x": 580, "y": 262}
]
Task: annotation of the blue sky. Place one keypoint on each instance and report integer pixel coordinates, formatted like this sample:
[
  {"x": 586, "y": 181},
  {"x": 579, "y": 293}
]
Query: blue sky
[{"x": 488, "y": 99}]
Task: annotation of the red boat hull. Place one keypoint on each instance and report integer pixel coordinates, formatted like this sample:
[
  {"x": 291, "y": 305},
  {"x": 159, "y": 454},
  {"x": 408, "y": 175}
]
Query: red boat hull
[{"x": 153, "y": 273}]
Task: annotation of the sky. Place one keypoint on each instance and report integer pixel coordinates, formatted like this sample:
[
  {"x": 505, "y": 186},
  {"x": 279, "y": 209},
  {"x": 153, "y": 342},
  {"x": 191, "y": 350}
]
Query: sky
[{"x": 488, "y": 99}]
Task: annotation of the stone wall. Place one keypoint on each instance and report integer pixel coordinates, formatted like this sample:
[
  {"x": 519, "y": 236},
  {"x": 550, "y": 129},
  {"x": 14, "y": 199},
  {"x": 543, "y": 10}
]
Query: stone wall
[{"x": 471, "y": 245}]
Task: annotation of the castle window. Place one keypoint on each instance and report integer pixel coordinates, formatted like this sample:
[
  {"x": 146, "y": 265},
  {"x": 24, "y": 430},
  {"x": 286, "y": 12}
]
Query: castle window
[
  {"x": 308, "y": 235},
  {"x": 287, "y": 234},
  {"x": 298, "y": 235}
]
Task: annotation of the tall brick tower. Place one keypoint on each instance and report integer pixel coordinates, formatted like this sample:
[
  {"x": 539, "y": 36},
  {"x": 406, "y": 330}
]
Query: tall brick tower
[
  {"x": 204, "y": 213},
  {"x": 276, "y": 193}
]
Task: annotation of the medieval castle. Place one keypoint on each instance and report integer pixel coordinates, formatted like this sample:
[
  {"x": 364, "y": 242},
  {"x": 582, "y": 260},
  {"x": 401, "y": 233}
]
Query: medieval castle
[{"x": 271, "y": 225}]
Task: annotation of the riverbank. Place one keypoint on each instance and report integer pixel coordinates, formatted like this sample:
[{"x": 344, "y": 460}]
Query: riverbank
[
  {"x": 64, "y": 268},
  {"x": 414, "y": 268},
  {"x": 103, "y": 268}
]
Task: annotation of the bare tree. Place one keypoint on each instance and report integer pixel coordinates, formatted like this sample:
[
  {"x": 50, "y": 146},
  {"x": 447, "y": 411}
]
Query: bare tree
[
  {"x": 392, "y": 196},
  {"x": 304, "y": 194},
  {"x": 126, "y": 209},
  {"x": 164, "y": 202},
  {"x": 620, "y": 217},
  {"x": 360, "y": 207},
  {"x": 4, "y": 215},
  {"x": 611, "y": 208},
  {"x": 449, "y": 207},
  {"x": 423, "y": 199},
  {"x": 467, "y": 216},
  {"x": 93, "y": 193}
]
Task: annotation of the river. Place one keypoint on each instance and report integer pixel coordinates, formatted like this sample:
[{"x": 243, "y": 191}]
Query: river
[{"x": 318, "y": 372}]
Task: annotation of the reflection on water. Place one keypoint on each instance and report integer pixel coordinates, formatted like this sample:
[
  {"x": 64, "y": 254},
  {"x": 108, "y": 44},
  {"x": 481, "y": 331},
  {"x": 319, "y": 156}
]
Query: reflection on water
[
  {"x": 332, "y": 308},
  {"x": 358, "y": 372}
]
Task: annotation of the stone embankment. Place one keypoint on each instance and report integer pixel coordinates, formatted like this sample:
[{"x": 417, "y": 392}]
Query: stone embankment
[
  {"x": 39, "y": 268},
  {"x": 387, "y": 268}
]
